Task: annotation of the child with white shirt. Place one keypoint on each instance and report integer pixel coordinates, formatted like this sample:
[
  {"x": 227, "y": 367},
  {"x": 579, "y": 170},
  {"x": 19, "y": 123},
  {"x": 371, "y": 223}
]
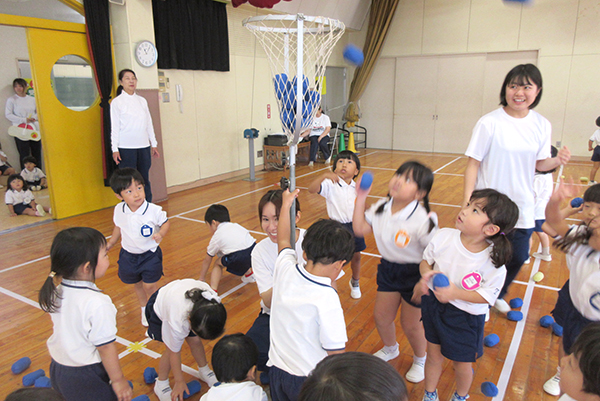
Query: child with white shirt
[
  {"x": 35, "y": 177},
  {"x": 339, "y": 190},
  {"x": 595, "y": 138},
  {"x": 5, "y": 168},
  {"x": 307, "y": 320},
  {"x": 234, "y": 361},
  {"x": 20, "y": 200},
  {"x": 231, "y": 243},
  {"x": 141, "y": 225}
]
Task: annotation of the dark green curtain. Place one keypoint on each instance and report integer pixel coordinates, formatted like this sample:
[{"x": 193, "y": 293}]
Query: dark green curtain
[
  {"x": 191, "y": 34},
  {"x": 97, "y": 25}
]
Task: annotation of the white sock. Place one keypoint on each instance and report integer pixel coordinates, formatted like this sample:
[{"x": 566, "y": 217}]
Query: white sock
[
  {"x": 162, "y": 383},
  {"x": 419, "y": 360},
  {"x": 143, "y": 310},
  {"x": 546, "y": 251},
  {"x": 204, "y": 369},
  {"x": 391, "y": 349}
]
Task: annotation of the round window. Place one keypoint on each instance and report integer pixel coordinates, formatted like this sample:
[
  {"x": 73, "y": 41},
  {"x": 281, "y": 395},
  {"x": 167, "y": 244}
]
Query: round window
[{"x": 73, "y": 82}]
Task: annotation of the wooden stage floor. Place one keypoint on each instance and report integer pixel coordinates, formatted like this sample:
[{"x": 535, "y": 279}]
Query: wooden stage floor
[{"x": 523, "y": 360}]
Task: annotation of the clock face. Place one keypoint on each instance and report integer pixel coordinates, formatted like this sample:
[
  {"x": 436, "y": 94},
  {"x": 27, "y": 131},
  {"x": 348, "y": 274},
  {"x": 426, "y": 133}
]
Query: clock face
[{"x": 146, "y": 53}]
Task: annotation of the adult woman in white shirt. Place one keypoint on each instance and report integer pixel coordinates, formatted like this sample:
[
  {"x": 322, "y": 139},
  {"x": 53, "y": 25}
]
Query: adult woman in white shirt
[
  {"x": 21, "y": 108},
  {"x": 132, "y": 133}
]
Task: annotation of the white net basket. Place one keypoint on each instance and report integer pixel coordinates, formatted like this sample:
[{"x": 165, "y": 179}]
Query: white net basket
[{"x": 297, "y": 46}]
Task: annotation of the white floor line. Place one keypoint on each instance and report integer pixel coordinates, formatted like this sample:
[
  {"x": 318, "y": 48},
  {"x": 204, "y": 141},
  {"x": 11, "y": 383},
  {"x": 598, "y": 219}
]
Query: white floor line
[
  {"x": 515, "y": 343},
  {"x": 24, "y": 264},
  {"x": 232, "y": 290},
  {"x": 447, "y": 164},
  {"x": 19, "y": 297},
  {"x": 444, "y": 204}
]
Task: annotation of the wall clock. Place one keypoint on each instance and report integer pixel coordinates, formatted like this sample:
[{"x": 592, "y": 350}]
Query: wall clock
[{"x": 146, "y": 53}]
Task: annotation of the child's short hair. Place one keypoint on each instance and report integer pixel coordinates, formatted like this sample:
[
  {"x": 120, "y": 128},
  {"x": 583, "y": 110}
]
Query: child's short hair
[
  {"x": 353, "y": 376},
  {"x": 122, "y": 177},
  {"x": 217, "y": 213},
  {"x": 347, "y": 154},
  {"x": 13, "y": 177},
  {"x": 327, "y": 241},
  {"x": 233, "y": 356},
  {"x": 208, "y": 316},
  {"x": 592, "y": 194},
  {"x": 29, "y": 159},
  {"x": 521, "y": 75},
  {"x": 587, "y": 350},
  {"x": 35, "y": 393},
  {"x": 273, "y": 196},
  {"x": 598, "y": 122}
]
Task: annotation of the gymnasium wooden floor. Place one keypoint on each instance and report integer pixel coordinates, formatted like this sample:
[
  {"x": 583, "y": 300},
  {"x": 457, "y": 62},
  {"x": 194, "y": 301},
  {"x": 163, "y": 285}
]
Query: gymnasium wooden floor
[{"x": 523, "y": 360}]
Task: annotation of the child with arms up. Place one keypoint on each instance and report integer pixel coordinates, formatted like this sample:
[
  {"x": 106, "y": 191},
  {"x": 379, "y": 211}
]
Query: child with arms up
[{"x": 472, "y": 256}]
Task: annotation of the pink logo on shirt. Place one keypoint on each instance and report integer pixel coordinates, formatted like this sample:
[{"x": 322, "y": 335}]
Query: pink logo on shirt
[{"x": 471, "y": 281}]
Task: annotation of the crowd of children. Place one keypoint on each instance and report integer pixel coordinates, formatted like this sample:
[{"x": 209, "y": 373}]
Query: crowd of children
[{"x": 298, "y": 341}]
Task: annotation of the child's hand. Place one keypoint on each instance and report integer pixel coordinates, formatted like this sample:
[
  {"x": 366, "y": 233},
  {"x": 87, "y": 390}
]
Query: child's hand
[
  {"x": 122, "y": 389},
  {"x": 178, "y": 388},
  {"x": 564, "y": 155},
  {"x": 445, "y": 294},
  {"x": 157, "y": 237},
  {"x": 330, "y": 175},
  {"x": 420, "y": 289},
  {"x": 13, "y": 214},
  {"x": 565, "y": 190},
  {"x": 360, "y": 192},
  {"x": 288, "y": 198}
]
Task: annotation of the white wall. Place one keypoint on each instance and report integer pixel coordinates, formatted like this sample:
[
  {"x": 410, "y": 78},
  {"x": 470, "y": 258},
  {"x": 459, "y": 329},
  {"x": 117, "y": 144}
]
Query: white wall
[
  {"x": 566, "y": 33},
  {"x": 13, "y": 46}
]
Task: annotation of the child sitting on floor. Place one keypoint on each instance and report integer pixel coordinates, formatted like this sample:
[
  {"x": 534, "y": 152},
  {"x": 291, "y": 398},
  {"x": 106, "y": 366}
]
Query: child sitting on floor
[{"x": 35, "y": 178}]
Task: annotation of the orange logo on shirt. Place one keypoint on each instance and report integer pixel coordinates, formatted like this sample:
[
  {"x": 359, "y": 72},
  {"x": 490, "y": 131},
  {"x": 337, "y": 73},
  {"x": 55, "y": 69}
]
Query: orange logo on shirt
[{"x": 402, "y": 239}]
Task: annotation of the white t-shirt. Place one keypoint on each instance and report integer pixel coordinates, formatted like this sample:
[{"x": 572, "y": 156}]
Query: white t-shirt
[
  {"x": 596, "y": 136},
  {"x": 173, "y": 309},
  {"x": 508, "y": 149},
  {"x": 131, "y": 123},
  {"x": 244, "y": 391},
  {"x": 264, "y": 256},
  {"x": 340, "y": 198},
  {"x": 2, "y": 163},
  {"x": 583, "y": 262},
  {"x": 542, "y": 190},
  {"x": 137, "y": 228},
  {"x": 307, "y": 319},
  {"x": 228, "y": 238},
  {"x": 320, "y": 124},
  {"x": 12, "y": 197},
  {"x": 467, "y": 270},
  {"x": 85, "y": 320},
  {"x": 401, "y": 237},
  {"x": 19, "y": 108},
  {"x": 34, "y": 175}
]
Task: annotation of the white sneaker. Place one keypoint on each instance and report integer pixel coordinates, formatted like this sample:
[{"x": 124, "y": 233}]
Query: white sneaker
[
  {"x": 552, "y": 386},
  {"x": 528, "y": 261},
  {"x": 416, "y": 373},
  {"x": 40, "y": 210},
  {"x": 328, "y": 161},
  {"x": 387, "y": 356},
  {"x": 502, "y": 306},
  {"x": 431, "y": 396},
  {"x": 209, "y": 377},
  {"x": 249, "y": 279},
  {"x": 487, "y": 315},
  {"x": 38, "y": 188},
  {"x": 539, "y": 255},
  {"x": 144, "y": 320},
  {"x": 163, "y": 392},
  {"x": 1, "y": 186},
  {"x": 310, "y": 164},
  {"x": 354, "y": 291}
]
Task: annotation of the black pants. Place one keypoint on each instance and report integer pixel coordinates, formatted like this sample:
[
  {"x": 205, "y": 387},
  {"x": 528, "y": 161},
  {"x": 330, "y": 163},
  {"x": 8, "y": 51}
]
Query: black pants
[
  {"x": 315, "y": 145},
  {"x": 27, "y": 148}
]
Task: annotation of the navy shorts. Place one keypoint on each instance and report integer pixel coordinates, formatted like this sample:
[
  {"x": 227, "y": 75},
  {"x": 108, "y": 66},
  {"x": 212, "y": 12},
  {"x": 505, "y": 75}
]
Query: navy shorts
[
  {"x": 596, "y": 154},
  {"x": 77, "y": 383},
  {"x": 4, "y": 168},
  {"x": 146, "y": 267},
  {"x": 19, "y": 208},
  {"x": 238, "y": 262},
  {"x": 359, "y": 243},
  {"x": 284, "y": 386},
  {"x": 568, "y": 317},
  {"x": 459, "y": 334},
  {"x": 34, "y": 183},
  {"x": 154, "y": 322},
  {"x": 538, "y": 226},
  {"x": 397, "y": 277}
]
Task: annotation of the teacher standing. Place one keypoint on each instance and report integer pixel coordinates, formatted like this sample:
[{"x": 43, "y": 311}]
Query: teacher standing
[
  {"x": 20, "y": 108},
  {"x": 132, "y": 133}
]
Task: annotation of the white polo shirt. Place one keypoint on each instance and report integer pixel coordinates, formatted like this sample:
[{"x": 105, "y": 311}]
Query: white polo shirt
[
  {"x": 12, "y": 197},
  {"x": 307, "y": 319},
  {"x": 33, "y": 175},
  {"x": 467, "y": 270},
  {"x": 596, "y": 137},
  {"x": 173, "y": 309},
  {"x": 137, "y": 228},
  {"x": 244, "y": 391},
  {"x": 264, "y": 256},
  {"x": 508, "y": 149},
  {"x": 85, "y": 320},
  {"x": 228, "y": 238},
  {"x": 340, "y": 198},
  {"x": 583, "y": 262},
  {"x": 401, "y": 237}
]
